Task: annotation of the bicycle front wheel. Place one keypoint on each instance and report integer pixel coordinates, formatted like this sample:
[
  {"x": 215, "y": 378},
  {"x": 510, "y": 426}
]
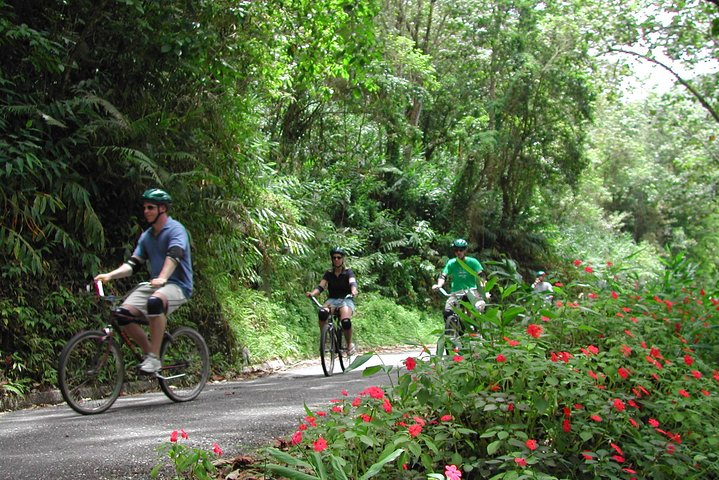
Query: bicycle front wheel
[
  {"x": 328, "y": 349},
  {"x": 185, "y": 365},
  {"x": 90, "y": 373}
]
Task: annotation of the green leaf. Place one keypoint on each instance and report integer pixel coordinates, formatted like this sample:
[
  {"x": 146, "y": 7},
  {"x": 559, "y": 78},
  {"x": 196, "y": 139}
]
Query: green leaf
[
  {"x": 493, "y": 447},
  {"x": 289, "y": 473},
  {"x": 375, "y": 468}
]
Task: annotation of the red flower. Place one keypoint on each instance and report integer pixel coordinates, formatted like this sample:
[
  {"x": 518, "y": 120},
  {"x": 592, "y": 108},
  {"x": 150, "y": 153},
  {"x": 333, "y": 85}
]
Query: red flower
[
  {"x": 520, "y": 461},
  {"x": 446, "y": 418},
  {"x": 356, "y": 402},
  {"x": 589, "y": 269},
  {"x": 319, "y": 445},
  {"x": 337, "y": 409},
  {"x": 501, "y": 358},
  {"x": 618, "y": 458},
  {"x": 512, "y": 343},
  {"x": 553, "y": 357},
  {"x": 616, "y": 448},
  {"x": 592, "y": 374},
  {"x": 374, "y": 392},
  {"x": 587, "y": 456},
  {"x": 596, "y": 418},
  {"x": 311, "y": 420},
  {"x": 683, "y": 393},
  {"x": 387, "y": 405},
  {"x": 216, "y": 448},
  {"x": 544, "y": 318},
  {"x": 626, "y": 350},
  {"x": 414, "y": 430},
  {"x": 366, "y": 418},
  {"x": 531, "y": 444},
  {"x": 173, "y": 436},
  {"x": 297, "y": 437},
  {"x": 535, "y": 330},
  {"x": 566, "y": 426},
  {"x": 615, "y": 295},
  {"x": 410, "y": 363},
  {"x": 184, "y": 434},
  {"x": 623, "y": 372},
  {"x": 303, "y": 426},
  {"x": 696, "y": 374},
  {"x": 577, "y": 263},
  {"x": 633, "y": 422},
  {"x": 592, "y": 349},
  {"x": 457, "y": 358},
  {"x": 653, "y": 423},
  {"x": 619, "y": 405},
  {"x": 344, "y": 392},
  {"x": 593, "y": 296},
  {"x": 688, "y": 360}
]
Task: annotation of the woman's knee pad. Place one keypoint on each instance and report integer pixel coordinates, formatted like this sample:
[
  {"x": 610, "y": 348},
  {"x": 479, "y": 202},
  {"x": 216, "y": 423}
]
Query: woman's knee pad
[
  {"x": 346, "y": 323},
  {"x": 323, "y": 314},
  {"x": 155, "y": 306}
]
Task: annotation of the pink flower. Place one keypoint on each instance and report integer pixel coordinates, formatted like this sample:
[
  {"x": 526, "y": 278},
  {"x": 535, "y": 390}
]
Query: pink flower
[
  {"x": 414, "y": 430},
  {"x": 216, "y": 448},
  {"x": 387, "y": 405},
  {"x": 501, "y": 358},
  {"x": 544, "y": 318},
  {"x": 535, "y": 330},
  {"x": 446, "y": 418},
  {"x": 173, "y": 436},
  {"x": 457, "y": 358},
  {"x": 452, "y": 472},
  {"x": 531, "y": 444},
  {"x": 344, "y": 393},
  {"x": 410, "y": 363},
  {"x": 520, "y": 461},
  {"x": 319, "y": 445},
  {"x": 297, "y": 437}
]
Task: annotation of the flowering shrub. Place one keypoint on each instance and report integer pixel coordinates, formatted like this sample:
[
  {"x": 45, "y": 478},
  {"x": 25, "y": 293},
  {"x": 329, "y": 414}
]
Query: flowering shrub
[
  {"x": 612, "y": 380},
  {"x": 189, "y": 462}
]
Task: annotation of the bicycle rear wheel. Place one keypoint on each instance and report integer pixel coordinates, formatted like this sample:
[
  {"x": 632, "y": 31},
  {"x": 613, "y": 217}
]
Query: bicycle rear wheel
[
  {"x": 453, "y": 331},
  {"x": 90, "y": 372},
  {"x": 185, "y": 365},
  {"x": 328, "y": 349},
  {"x": 343, "y": 350}
]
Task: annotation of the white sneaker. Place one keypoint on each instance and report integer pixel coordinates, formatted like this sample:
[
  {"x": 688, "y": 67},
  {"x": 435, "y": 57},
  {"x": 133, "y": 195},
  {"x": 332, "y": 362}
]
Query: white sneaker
[
  {"x": 351, "y": 349},
  {"x": 151, "y": 364}
]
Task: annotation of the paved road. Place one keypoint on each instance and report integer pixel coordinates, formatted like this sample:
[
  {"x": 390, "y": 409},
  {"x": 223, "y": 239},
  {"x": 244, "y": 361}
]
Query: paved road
[{"x": 57, "y": 443}]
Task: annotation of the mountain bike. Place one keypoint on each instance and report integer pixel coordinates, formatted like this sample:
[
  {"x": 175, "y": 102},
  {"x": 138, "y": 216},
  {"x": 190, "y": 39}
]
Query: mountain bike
[
  {"x": 454, "y": 327},
  {"x": 91, "y": 370},
  {"x": 332, "y": 342}
]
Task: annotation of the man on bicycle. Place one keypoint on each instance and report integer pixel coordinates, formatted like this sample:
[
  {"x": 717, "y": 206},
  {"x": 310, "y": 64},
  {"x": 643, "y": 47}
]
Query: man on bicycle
[
  {"x": 339, "y": 281},
  {"x": 166, "y": 247},
  {"x": 463, "y": 272}
]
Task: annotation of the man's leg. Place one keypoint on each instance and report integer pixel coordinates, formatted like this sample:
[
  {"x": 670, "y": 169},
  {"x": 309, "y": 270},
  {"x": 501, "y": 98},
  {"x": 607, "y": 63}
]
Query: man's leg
[
  {"x": 156, "y": 308},
  {"x": 135, "y": 331}
]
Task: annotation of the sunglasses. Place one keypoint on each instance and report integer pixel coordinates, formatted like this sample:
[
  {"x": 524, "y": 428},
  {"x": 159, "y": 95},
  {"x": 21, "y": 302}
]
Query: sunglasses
[
  {"x": 336, "y": 257},
  {"x": 460, "y": 249},
  {"x": 149, "y": 207}
]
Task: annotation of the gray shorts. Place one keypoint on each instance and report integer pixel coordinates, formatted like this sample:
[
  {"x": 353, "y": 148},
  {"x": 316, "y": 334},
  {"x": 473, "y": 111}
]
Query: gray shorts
[
  {"x": 341, "y": 302},
  {"x": 138, "y": 297}
]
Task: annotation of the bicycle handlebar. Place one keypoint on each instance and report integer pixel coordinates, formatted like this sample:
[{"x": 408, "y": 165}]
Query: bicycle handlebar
[{"x": 319, "y": 305}]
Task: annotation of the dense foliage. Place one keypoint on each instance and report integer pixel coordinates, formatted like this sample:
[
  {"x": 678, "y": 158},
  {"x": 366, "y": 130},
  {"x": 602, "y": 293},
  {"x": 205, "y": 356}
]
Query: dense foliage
[{"x": 282, "y": 128}]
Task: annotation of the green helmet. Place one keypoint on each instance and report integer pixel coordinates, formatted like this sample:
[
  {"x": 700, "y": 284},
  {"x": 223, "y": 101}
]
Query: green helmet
[
  {"x": 337, "y": 250},
  {"x": 460, "y": 243},
  {"x": 540, "y": 273},
  {"x": 155, "y": 195}
]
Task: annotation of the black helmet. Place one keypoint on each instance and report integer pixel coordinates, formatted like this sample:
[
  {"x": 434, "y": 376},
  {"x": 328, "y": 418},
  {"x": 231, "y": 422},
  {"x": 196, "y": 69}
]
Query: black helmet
[
  {"x": 337, "y": 250},
  {"x": 460, "y": 243},
  {"x": 155, "y": 195}
]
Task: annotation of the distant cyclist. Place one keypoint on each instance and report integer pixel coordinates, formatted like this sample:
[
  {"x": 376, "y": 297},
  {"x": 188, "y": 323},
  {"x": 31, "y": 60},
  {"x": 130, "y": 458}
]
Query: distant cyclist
[
  {"x": 166, "y": 247},
  {"x": 542, "y": 286},
  {"x": 463, "y": 271},
  {"x": 339, "y": 281}
]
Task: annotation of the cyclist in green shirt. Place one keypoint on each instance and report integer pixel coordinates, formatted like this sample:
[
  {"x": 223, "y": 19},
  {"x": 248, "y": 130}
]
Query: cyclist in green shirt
[{"x": 463, "y": 272}]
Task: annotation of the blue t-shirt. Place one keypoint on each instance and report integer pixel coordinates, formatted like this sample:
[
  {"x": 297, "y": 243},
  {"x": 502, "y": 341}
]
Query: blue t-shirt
[{"x": 153, "y": 249}]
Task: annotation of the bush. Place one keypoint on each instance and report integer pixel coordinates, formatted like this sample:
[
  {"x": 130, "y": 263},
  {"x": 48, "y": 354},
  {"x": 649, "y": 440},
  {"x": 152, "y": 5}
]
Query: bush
[{"x": 610, "y": 381}]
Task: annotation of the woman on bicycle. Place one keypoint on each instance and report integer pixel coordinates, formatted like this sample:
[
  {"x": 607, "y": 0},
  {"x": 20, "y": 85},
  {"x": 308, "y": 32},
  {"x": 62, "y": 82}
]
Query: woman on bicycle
[
  {"x": 463, "y": 272},
  {"x": 166, "y": 246},
  {"x": 339, "y": 281}
]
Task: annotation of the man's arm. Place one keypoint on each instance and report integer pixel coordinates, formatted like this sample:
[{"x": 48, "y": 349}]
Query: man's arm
[{"x": 124, "y": 270}]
